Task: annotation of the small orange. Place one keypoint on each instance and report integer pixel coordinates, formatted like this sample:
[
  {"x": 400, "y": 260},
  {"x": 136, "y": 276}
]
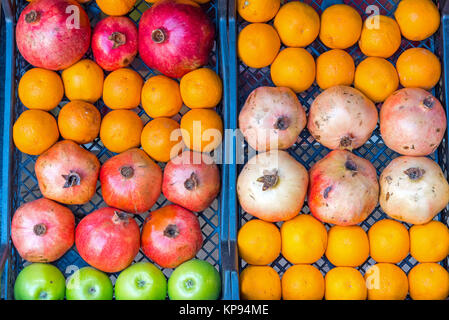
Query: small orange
[
  {"x": 35, "y": 131},
  {"x": 79, "y": 121},
  {"x": 304, "y": 239},
  {"x": 376, "y": 78},
  {"x": 340, "y": 26},
  {"x": 344, "y": 283},
  {"x": 386, "y": 281},
  {"x": 418, "y": 19},
  {"x": 293, "y": 68},
  {"x": 122, "y": 89},
  {"x": 116, "y": 7},
  {"x": 302, "y": 282},
  {"x": 429, "y": 242},
  {"x": 40, "y": 89},
  {"x": 258, "y": 44},
  {"x": 201, "y": 88},
  {"x": 297, "y": 23},
  {"x": 258, "y": 10},
  {"x": 334, "y": 67},
  {"x": 161, "y": 139},
  {"x": 202, "y": 130},
  {"x": 260, "y": 283},
  {"x": 389, "y": 241},
  {"x": 259, "y": 242},
  {"x": 347, "y": 246},
  {"x": 418, "y": 67},
  {"x": 428, "y": 281},
  {"x": 120, "y": 130},
  {"x": 161, "y": 97},
  {"x": 380, "y": 37},
  {"x": 83, "y": 81}
]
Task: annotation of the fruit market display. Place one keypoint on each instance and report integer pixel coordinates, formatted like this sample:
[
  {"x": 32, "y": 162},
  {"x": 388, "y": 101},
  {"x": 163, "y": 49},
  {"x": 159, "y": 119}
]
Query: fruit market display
[
  {"x": 76, "y": 103},
  {"x": 358, "y": 233}
]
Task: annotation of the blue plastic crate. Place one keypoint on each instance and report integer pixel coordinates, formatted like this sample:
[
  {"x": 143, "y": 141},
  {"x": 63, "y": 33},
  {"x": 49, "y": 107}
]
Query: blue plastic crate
[
  {"x": 19, "y": 183},
  {"x": 306, "y": 150}
]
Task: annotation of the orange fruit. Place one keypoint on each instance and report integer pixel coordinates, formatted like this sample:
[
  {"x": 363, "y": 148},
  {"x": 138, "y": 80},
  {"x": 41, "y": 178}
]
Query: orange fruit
[
  {"x": 344, "y": 283},
  {"x": 347, "y": 246},
  {"x": 122, "y": 89},
  {"x": 79, "y": 121},
  {"x": 258, "y": 44},
  {"x": 418, "y": 19},
  {"x": 35, "y": 131},
  {"x": 389, "y": 241},
  {"x": 259, "y": 242},
  {"x": 83, "y": 81},
  {"x": 260, "y": 283},
  {"x": 116, "y": 7},
  {"x": 40, "y": 89},
  {"x": 429, "y": 242},
  {"x": 340, "y": 26},
  {"x": 376, "y": 78},
  {"x": 334, "y": 67},
  {"x": 258, "y": 10},
  {"x": 304, "y": 239},
  {"x": 201, "y": 88},
  {"x": 202, "y": 129},
  {"x": 120, "y": 130},
  {"x": 418, "y": 67},
  {"x": 161, "y": 139},
  {"x": 161, "y": 97},
  {"x": 380, "y": 37},
  {"x": 297, "y": 24},
  {"x": 302, "y": 282},
  {"x": 386, "y": 281},
  {"x": 428, "y": 281},
  {"x": 293, "y": 68}
]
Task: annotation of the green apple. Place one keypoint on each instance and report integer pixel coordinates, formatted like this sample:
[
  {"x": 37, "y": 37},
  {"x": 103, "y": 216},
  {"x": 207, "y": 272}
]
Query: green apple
[{"x": 89, "y": 284}]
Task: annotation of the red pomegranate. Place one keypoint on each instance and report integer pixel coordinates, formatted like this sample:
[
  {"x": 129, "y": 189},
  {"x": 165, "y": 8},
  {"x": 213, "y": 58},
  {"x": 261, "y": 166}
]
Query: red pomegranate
[
  {"x": 114, "y": 42},
  {"x": 175, "y": 37},
  {"x": 53, "y": 34},
  {"x": 171, "y": 235},
  {"x": 343, "y": 188},
  {"x": 191, "y": 180},
  {"x": 108, "y": 239},
  {"x": 42, "y": 230},
  {"x": 131, "y": 181},
  {"x": 67, "y": 173},
  {"x": 412, "y": 122}
]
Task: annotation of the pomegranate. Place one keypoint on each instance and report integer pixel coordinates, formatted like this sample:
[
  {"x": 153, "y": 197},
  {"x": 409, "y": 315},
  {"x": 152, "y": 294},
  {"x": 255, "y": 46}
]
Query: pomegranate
[
  {"x": 67, "y": 173},
  {"x": 272, "y": 186},
  {"x": 114, "y": 42},
  {"x": 131, "y": 181},
  {"x": 171, "y": 235},
  {"x": 53, "y": 34},
  {"x": 413, "y": 189},
  {"x": 42, "y": 230},
  {"x": 343, "y": 188},
  {"x": 191, "y": 180},
  {"x": 108, "y": 239},
  {"x": 412, "y": 122},
  {"x": 175, "y": 37},
  {"x": 272, "y": 118},
  {"x": 342, "y": 117}
]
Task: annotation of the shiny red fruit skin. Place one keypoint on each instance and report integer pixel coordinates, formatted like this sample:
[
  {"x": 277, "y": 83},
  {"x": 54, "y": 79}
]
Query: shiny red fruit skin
[
  {"x": 54, "y": 38},
  {"x": 171, "y": 235},
  {"x": 113, "y": 54},
  {"x": 139, "y": 191},
  {"x": 42, "y": 230},
  {"x": 188, "y": 41},
  {"x": 191, "y": 180},
  {"x": 108, "y": 239}
]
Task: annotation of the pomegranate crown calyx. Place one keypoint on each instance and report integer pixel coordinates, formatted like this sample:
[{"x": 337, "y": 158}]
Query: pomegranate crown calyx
[
  {"x": 158, "y": 35},
  {"x": 32, "y": 16},
  {"x": 269, "y": 179}
]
